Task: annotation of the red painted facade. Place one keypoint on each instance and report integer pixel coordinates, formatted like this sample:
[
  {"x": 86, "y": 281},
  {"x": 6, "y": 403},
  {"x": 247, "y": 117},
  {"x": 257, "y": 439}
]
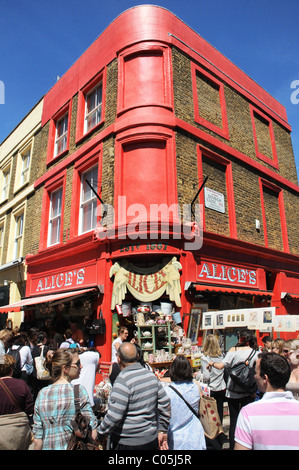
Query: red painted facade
[{"x": 145, "y": 170}]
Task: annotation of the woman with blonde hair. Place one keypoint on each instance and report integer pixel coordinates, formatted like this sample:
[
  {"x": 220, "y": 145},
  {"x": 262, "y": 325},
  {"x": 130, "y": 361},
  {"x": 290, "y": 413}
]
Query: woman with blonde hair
[
  {"x": 213, "y": 377},
  {"x": 55, "y": 408},
  {"x": 277, "y": 346}
]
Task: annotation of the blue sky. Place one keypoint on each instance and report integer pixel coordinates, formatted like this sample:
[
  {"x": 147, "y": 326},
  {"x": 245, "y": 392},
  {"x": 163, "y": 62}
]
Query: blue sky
[{"x": 41, "y": 40}]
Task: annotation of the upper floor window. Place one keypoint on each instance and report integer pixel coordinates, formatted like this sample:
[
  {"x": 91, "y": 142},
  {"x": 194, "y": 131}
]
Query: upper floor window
[
  {"x": 19, "y": 226},
  {"x": 61, "y": 135},
  {"x": 55, "y": 217},
  {"x": 93, "y": 108},
  {"x": 25, "y": 166},
  {"x": 88, "y": 200},
  {"x": 59, "y": 132},
  {"x": 1, "y": 236},
  {"x": 5, "y": 183}
]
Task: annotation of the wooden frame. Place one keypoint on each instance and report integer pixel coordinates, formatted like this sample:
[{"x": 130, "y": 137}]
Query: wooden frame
[{"x": 195, "y": 321}]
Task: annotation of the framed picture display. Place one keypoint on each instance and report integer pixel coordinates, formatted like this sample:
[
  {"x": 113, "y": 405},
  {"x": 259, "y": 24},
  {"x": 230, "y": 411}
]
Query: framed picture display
[
  {"x": 196, "y": 315},
  {"x": 285, "y": 323}
]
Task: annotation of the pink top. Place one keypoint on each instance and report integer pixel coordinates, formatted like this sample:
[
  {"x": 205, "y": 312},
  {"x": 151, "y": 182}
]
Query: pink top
[{"x": 271, "y": 423}]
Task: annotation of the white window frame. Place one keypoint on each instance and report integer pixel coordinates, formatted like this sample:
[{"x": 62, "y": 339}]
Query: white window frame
[
  {"x": 26, "y": 158},
  {"x": 18, "y": 235},
  {"x": 55, "y": 218},
  {"x": 97, "y": 108},
  {"x": 64, "y": 120},
  {"x": 5, "y": 183},
  {"x": 2, "y": 229},
  {"x": 91, "y": 201}
]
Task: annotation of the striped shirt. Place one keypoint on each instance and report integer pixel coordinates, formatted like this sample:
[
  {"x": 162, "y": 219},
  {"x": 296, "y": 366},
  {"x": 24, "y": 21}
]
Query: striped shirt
[
  {"x": 136, "y": 398},
  {"x": 271, "y": 423},
  {"x": 53, "y": 412}
]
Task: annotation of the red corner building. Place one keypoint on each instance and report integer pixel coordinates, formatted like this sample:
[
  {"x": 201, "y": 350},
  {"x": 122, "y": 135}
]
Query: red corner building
[{"x": 166, "y": 175}]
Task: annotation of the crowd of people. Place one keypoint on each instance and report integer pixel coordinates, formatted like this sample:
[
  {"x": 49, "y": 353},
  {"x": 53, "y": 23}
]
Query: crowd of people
[
  {"x": 145, "y": 413},
  {"x": 36, "y": 411}
]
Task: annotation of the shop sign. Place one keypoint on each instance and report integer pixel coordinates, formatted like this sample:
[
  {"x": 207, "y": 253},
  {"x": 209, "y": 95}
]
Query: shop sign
[
  {"x": 146, "y": 287},
  {"x": 229, "y": 275},
  {"x": 65, "y": 280}
]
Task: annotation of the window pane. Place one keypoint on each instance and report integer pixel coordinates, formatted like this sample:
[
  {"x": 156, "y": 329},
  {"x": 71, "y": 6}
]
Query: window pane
[
  {"x": 61, "y": 134},
  {"x": 25, "y": 167},
  {"x": 93, "y": 108},
  {"x": 88, "y": 204},
  {"x": 56, "y": 203},
  {"x": 55, "y": 231},
  {"x": 19, "y": 225},
  {"x": 6, "y": 178},
  {"x": 18, "y": 235},
  {"x": 55, "y": 217},
  {"x": 89, "y": 216}
]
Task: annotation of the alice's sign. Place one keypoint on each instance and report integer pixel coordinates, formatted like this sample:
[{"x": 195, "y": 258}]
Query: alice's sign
[
  {"x": 146, "y": 287},
  {"x": 229, "y": 275},
  {"x": 65, "y": 280}
]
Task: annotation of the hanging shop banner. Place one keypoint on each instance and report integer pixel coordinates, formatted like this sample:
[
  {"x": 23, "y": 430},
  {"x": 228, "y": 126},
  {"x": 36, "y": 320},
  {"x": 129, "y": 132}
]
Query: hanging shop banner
[
  {"x": 146, "y": 287},
  {"x": 251, "y": 318}
]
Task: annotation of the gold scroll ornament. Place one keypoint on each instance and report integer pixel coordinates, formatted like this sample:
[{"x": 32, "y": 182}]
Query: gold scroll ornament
[{"x": 146, "y": 287}]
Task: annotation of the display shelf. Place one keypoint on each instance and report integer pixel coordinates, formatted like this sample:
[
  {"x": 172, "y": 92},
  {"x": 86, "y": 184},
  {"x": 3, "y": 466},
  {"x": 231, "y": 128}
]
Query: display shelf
[{"x": 155, "y": 337}]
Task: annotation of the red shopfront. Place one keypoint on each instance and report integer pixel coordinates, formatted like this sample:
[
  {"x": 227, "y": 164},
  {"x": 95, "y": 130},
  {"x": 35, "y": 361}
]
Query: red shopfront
[{"x": 80, "y": 282}]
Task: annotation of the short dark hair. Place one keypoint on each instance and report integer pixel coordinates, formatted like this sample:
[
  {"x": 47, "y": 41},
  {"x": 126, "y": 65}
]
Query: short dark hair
[
  {"x": 181, "y": 370},
  {"x": 266, "y": 338},
  {"x": 276, "y": 367}
]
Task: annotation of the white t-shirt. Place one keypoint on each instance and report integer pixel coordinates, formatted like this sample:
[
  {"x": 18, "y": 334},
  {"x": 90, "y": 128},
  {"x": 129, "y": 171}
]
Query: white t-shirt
[
  {"x": 89, "y": 361},
  {"x": 114, "y": 350},
  {"x": 25, "y": 356}
]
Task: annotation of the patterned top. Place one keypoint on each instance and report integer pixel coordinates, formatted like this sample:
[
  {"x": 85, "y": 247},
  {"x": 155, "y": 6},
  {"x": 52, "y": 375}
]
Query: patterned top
[
  {"x": 54, "y": 409},
  {"x": 185, "y": 431}
]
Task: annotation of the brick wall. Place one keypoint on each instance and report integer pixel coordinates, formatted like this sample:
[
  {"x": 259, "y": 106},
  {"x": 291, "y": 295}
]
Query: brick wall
[
  {"x": 39, "y": 167},
  {"x": 245, "y": 179}
]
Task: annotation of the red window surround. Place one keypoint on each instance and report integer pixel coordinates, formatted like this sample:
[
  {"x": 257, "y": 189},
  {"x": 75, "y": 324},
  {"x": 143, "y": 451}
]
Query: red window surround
[
  {"x": 66, "y": 109},
  {"x": 50, "y": 186},
  {"x": 284, "y": 231},
  {"x": 254, "y": 111},
  {"x": 223, "y": 132},
  {"x": 82, "y": 165},
  {"x": 100, "y": 77},
  {"x": 139, "y": 78},
  {"x": 229, "y": 187},
  {"x": 145, "y": 171}
]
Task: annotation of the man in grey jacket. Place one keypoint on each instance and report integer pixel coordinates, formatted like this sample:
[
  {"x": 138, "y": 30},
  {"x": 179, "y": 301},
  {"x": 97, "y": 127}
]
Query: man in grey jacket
[{"x": 138, "y": 409}]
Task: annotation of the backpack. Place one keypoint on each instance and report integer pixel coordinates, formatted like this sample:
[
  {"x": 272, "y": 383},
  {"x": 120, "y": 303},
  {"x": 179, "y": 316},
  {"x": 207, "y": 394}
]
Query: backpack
[
  {"x": 242, "y": 377},
  {"x": 17, "y": 372}
]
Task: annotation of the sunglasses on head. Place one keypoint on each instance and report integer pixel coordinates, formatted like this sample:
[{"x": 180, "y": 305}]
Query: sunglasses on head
[{"x": 77, "y": 364}]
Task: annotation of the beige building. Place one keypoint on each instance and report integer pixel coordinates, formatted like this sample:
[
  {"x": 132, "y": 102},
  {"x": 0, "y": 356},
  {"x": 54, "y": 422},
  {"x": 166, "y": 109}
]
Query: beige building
[{"x": 17, "y": 176}]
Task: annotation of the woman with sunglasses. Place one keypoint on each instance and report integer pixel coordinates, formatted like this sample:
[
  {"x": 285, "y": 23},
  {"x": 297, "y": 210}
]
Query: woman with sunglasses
[{"x": 54, "y": 407}]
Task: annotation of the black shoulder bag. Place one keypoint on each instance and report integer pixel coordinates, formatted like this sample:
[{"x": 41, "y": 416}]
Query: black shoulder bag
[{"x": 242, "y": 376}]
